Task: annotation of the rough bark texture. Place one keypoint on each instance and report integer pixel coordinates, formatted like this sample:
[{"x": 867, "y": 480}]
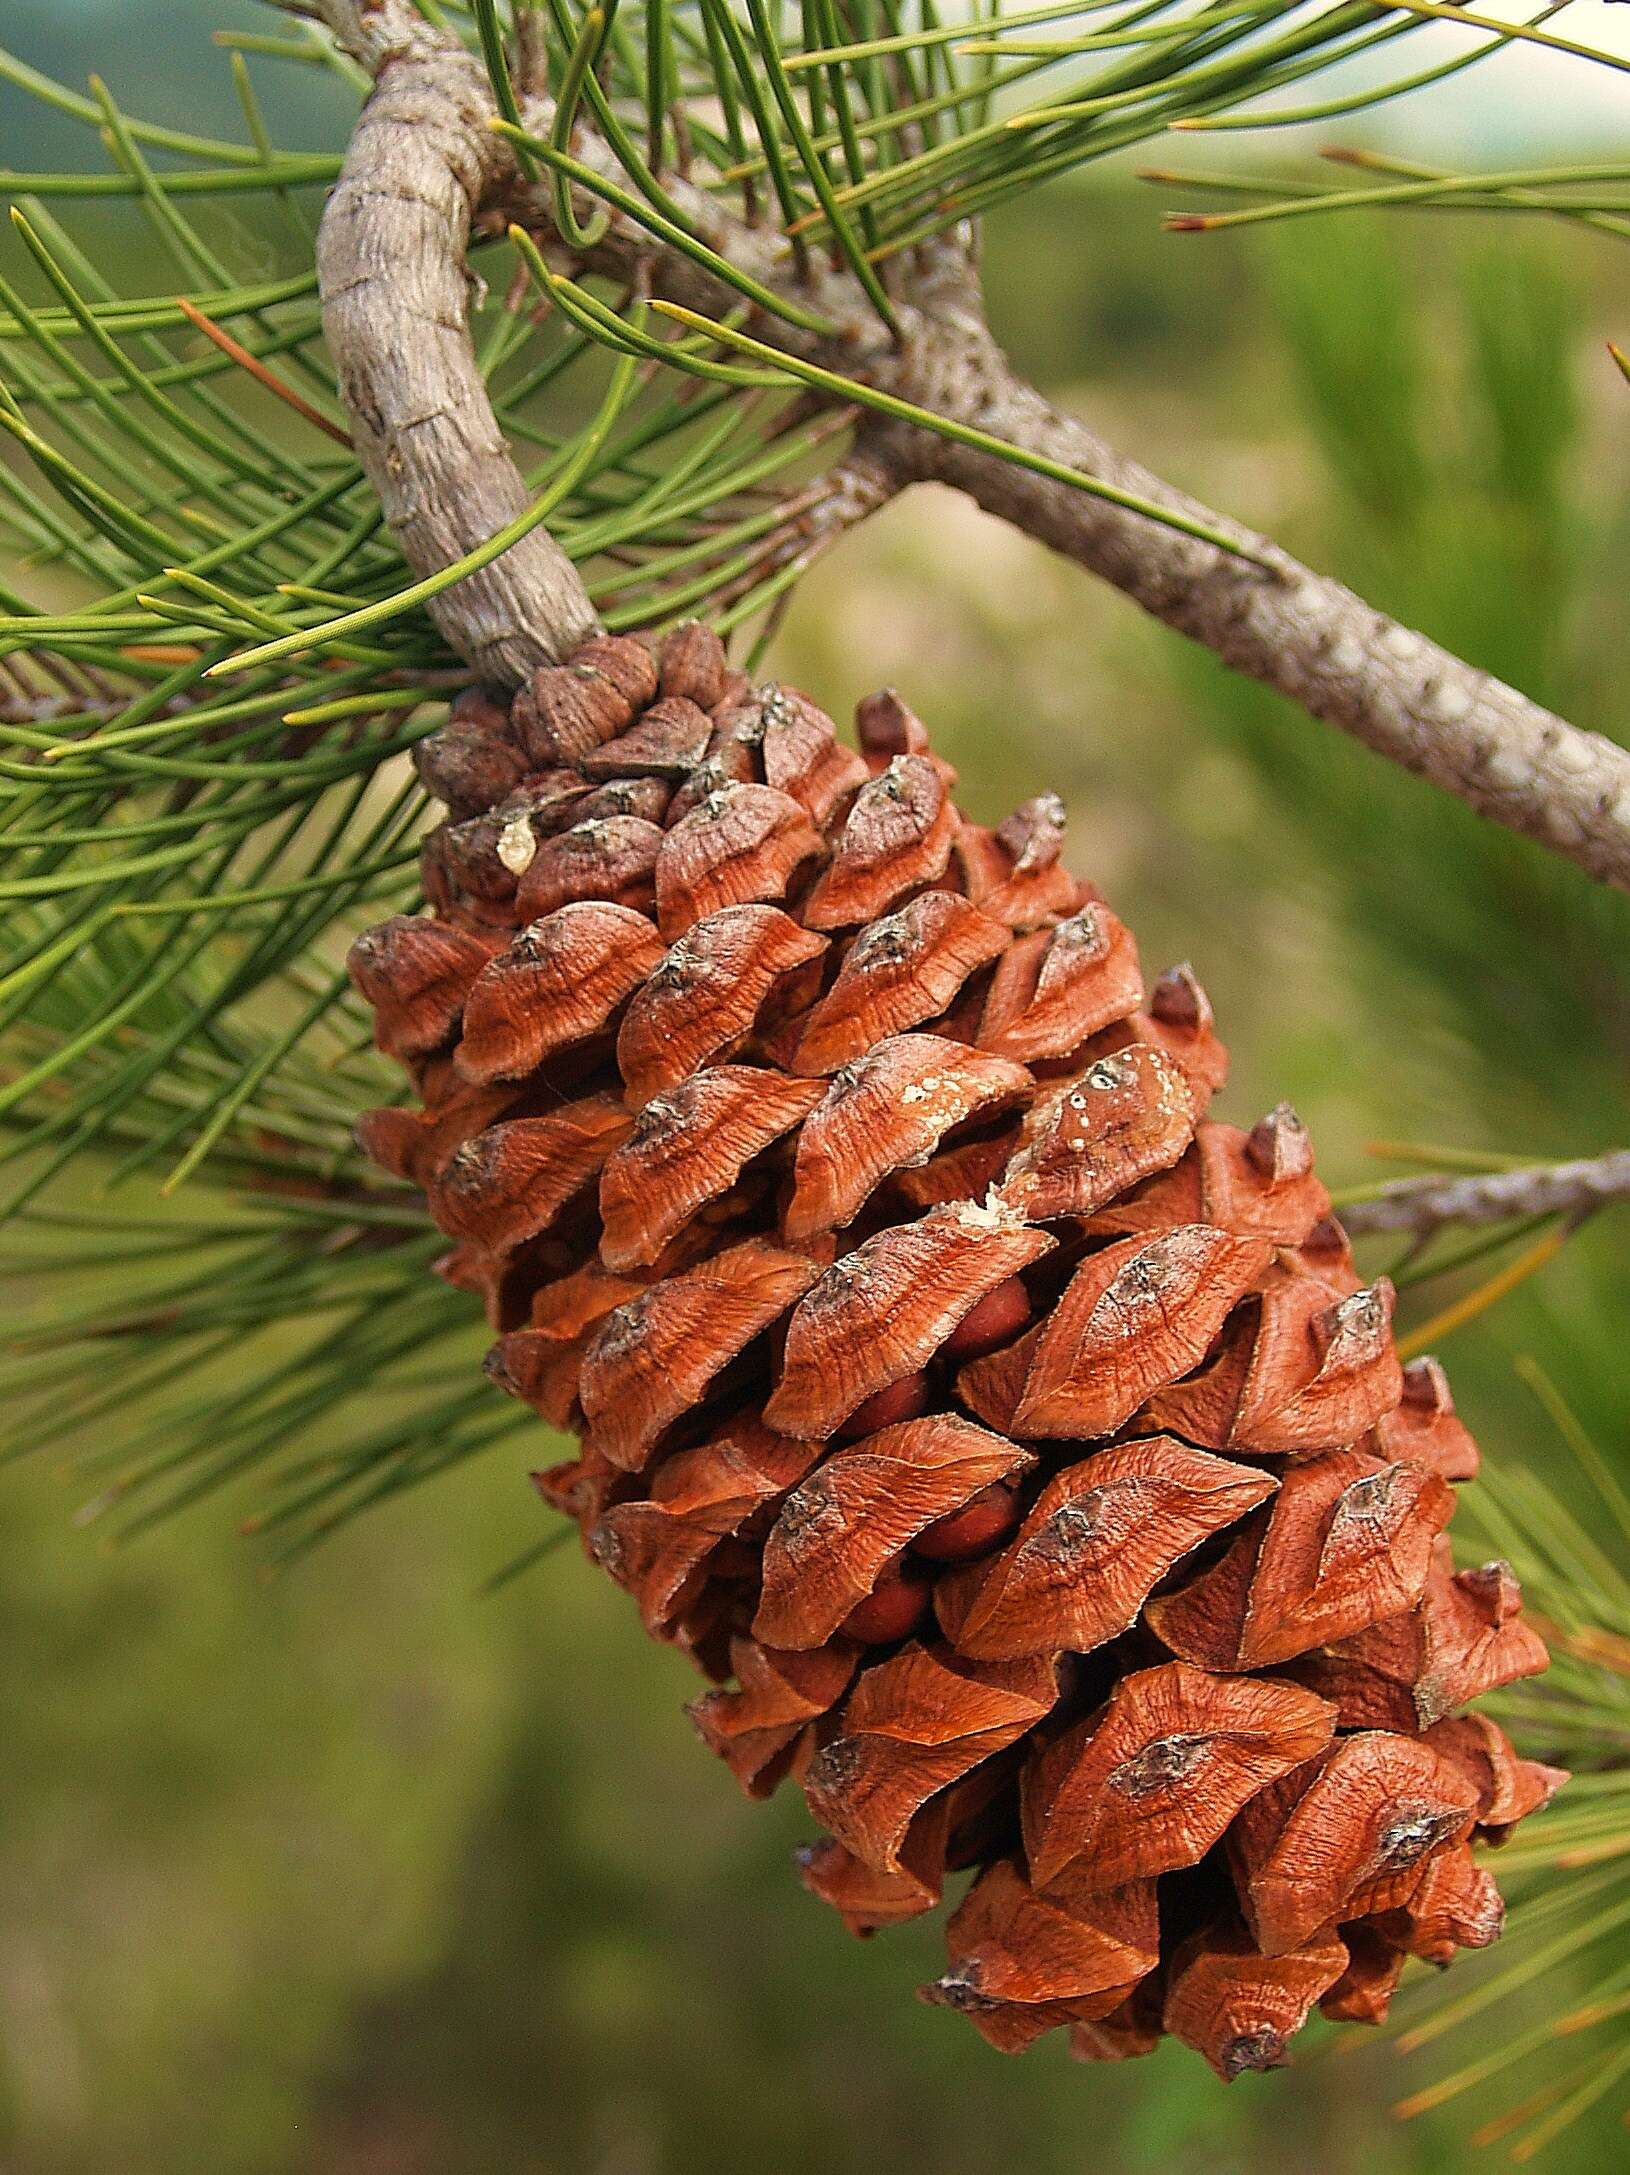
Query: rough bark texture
[
  {"x": 1424, "y": 1205},
  {"x": 390, "y": 259},
  {"x": 423, "y": 161},
  {"x": 1298, "y": 632}
]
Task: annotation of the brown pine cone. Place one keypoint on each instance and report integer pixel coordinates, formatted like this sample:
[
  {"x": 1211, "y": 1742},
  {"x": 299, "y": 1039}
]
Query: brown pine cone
[{"x": 1015, "y": 1446}]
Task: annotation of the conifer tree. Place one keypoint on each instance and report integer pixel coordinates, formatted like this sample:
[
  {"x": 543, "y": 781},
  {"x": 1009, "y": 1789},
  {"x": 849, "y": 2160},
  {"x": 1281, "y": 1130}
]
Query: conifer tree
[{"x": 1009, "y": 1441}]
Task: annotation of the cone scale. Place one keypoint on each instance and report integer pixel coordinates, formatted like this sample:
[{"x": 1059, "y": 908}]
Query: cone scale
[{"x": 1014, "y": 1447}]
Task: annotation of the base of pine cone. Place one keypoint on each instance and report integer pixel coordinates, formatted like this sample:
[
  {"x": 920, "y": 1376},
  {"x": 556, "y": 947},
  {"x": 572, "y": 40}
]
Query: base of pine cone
[{"x": 1013, "y": 1446}]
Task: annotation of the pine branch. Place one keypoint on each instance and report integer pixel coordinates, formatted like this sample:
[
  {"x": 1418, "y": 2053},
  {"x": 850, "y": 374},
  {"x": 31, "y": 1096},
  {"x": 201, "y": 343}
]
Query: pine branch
[
  {"x": 390, "y": 261},
  {"x": 431, "y": 141},
  {"x": 1422, "y": 1206},
  {"x": 1297, "y": 632}
]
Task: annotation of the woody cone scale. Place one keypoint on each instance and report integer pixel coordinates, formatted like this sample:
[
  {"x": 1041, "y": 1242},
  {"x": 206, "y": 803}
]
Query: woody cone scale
[{"x": 1014, "y": 1447}]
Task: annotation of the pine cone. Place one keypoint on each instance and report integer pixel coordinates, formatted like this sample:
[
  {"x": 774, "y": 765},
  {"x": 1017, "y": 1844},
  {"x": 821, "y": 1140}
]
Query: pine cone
[{"x": 1015, "y": 1447}]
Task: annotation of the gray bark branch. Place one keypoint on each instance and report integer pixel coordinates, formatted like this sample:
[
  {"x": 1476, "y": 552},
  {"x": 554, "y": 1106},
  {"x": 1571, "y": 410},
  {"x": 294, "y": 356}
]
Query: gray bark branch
[
  {"x": 1424, "y": 1205},
  {"x": 423, "y": 163},
  {"x": 391, "y": 269},
  {"x": 1298, "y": 632}
]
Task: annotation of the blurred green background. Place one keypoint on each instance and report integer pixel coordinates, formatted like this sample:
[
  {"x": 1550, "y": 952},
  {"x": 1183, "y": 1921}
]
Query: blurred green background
[{"x": 362, "y": 1873}]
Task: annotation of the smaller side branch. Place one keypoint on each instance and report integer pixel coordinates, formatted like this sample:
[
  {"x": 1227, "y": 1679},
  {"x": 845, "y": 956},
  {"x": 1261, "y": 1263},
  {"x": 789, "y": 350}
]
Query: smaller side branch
[
  {"x": 1422, "y": 1206},
  {"x": 1298, "y": 632}
]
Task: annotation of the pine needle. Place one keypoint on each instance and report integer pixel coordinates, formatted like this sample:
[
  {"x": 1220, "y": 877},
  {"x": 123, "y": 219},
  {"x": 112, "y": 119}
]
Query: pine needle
[{"x": 239, "y": 354}]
